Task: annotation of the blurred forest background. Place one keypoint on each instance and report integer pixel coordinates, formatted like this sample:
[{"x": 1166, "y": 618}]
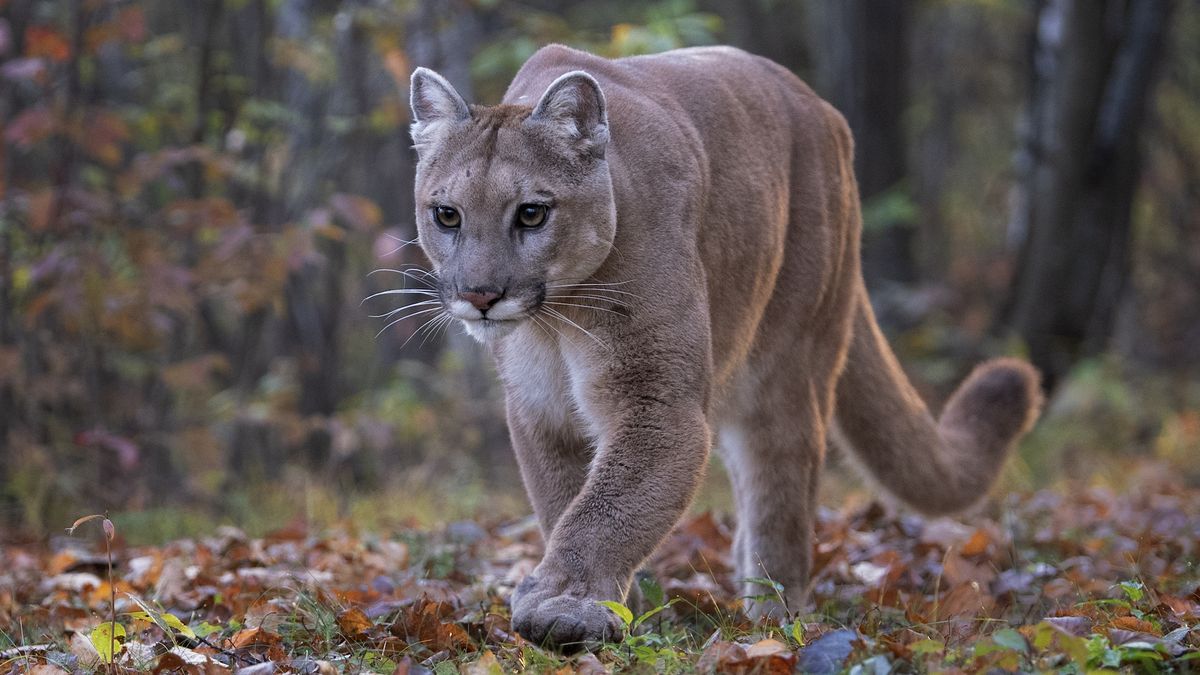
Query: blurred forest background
[{"x": 193, "y": 195}]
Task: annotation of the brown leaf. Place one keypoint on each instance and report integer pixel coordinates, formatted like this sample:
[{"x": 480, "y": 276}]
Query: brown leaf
[
  {"x": 722, "y": 657},
  {"x": 168, "y": 662},
  {"x": 588, "y": 664},
  {"x": 1134, "y": 624},
  {"x": 706, "y": 527},
  {"x": 958, "y": 570},
  {"x": 259, "y": 641},
  {"x": 353, "y": 623},
  {"x": 966, "y": 600},
  {"x": 424, "y": 622},
  {"x": 978, "y": 543},
  {"x": 48, "y": 42},
  {"x": 1182, "y": 608},
  {"x": 771, "y": 656},
  {"x": 486, "y": 664}
]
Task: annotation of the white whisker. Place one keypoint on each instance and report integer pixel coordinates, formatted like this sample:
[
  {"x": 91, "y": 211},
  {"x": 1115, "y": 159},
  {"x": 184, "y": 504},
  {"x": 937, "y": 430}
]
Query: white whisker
[
  {"x": 593, "y": 289},
  {"x": 401, "y": 291},
  {"x": 559, "y": 315},
  {"x": 408, "y": 316},
  {"x": 410, "y": 272},
  {"x": 429, "y": 281},
  {"x": 419, "y": 328},
  {"x": 438, "y": 323},
  {"x": 406, "y": 242},
  {"x": 571, "y": 304},
  {"x": 560, "y": 296},
  {"x": 547, "y": 324},
  {"x": 594, "y": 283},
  {"x": 446, "y": 326},
  {"x": 401, "y": 309}
]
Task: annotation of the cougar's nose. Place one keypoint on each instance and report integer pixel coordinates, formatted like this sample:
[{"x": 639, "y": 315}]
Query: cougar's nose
[{"x": 482, "y": 298}]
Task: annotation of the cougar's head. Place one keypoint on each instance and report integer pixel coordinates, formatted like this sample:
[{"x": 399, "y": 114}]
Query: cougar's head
[{"x": 512, "y": 200}]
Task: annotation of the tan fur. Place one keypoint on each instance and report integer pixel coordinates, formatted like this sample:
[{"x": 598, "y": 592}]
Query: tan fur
[{"x": 704, "y": 222}]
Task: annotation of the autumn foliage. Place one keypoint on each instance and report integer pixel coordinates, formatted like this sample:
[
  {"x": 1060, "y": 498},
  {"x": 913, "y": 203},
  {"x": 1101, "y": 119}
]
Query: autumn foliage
[
  {"x": 182, "y": 259},
  {"x": 1049, "y": 582}
]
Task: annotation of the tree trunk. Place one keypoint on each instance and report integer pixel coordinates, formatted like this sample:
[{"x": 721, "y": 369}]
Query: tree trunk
[
  {"x": 1094, "y": 64},
  {"x": 860, "y": 52},
  {"x": 765, "y": 27}
]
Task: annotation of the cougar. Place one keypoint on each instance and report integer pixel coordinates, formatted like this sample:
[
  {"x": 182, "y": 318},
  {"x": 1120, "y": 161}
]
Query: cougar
[{"x": 661, "y": 253}]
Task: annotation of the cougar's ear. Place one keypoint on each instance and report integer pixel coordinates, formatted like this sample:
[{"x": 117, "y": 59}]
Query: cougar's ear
[
  {"x": 575, "y": 104},
  {"x": 434, "y": 102}
]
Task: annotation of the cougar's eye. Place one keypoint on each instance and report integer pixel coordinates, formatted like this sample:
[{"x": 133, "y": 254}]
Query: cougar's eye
[
  {"x": 531, "y": 215},
  {"x": 447, "y": 216}
]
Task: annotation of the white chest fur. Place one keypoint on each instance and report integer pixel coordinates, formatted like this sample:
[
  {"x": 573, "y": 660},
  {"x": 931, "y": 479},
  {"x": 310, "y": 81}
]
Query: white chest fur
[{"x": 538, "y": 376}]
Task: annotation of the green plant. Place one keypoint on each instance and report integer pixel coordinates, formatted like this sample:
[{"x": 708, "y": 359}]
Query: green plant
[{"x": 650, "y": 648}]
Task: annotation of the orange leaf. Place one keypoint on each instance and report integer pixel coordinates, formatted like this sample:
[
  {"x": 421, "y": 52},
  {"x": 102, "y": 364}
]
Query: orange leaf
[
  {"x": 48, "y": 42},
  {"x": 255, "y": 638},
  {"x": 771, "y": 656},
  {"x": 978, "y": 543},
  {"x": 353, "y": 623},
  {"x": 425, "y": 622},
  {"x": 62, "y": 561},
  {"x": 1134, "y": 624},
  {"x": 396, "y": 64}
]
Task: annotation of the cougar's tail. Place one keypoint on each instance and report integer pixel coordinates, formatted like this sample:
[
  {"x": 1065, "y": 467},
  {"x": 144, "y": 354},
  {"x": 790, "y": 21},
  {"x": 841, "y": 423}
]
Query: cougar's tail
[{"x": 936, "y": 467}]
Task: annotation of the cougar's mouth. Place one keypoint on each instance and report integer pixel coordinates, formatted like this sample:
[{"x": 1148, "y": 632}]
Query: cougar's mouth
[{"x": 487, "y": 328}]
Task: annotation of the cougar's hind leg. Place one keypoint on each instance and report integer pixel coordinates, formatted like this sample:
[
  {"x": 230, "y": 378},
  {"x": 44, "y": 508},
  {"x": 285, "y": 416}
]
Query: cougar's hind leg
[
  {"x": 773, "y": 448},
  {"x": 773, "y": 433}
]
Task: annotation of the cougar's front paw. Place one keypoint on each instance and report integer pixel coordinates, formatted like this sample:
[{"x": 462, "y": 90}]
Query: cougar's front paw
[{"x": 549, "y": 613}]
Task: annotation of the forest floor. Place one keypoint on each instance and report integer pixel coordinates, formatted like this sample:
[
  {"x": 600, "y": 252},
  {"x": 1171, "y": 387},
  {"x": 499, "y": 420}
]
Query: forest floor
[{"x": 1069, "y": 581}]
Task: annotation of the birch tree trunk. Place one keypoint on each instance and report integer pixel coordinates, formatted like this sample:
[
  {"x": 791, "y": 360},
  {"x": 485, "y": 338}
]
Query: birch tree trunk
[{"x": 1094, "y": 63}]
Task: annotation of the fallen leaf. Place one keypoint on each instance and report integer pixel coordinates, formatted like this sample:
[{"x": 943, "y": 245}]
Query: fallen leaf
[
  {"x": 353, "y": 623},
  {"x": 1134, "y": 624},
  {"x": 486, "y": 664},
  {"x": 978, "y": 543},
  {"x": 721, "y": 657},
  {"x": 108, "y": 638},
  {"x": 588, "y": 664},
  {"x": 770, "y": 656}
]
